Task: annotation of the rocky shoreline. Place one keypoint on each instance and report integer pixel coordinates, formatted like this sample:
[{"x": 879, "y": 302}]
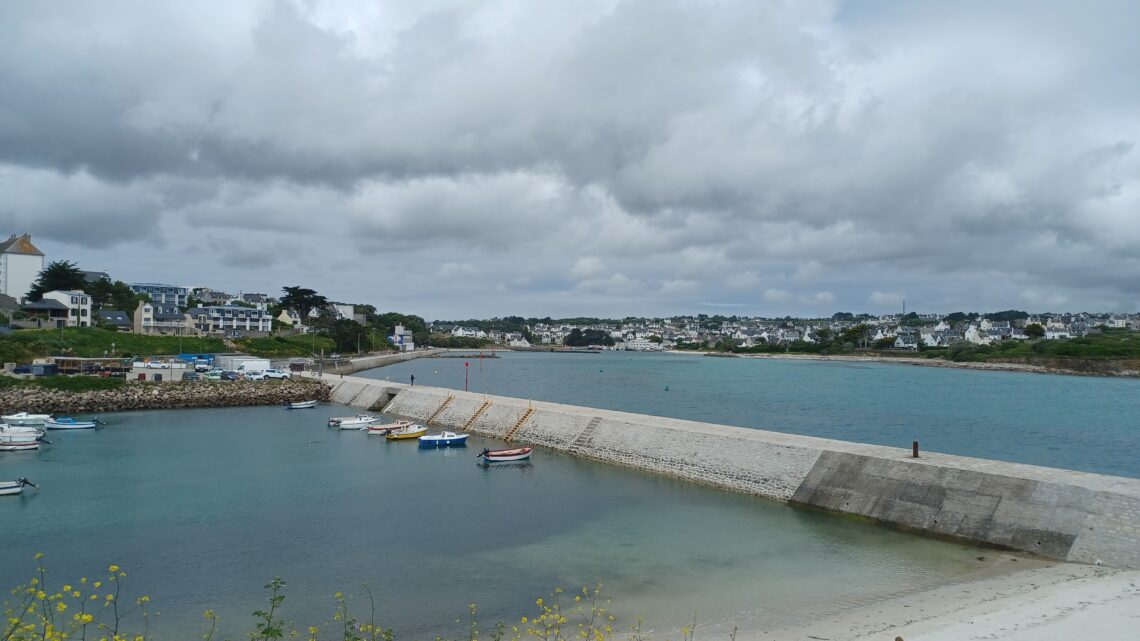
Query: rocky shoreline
[{"x": 148, "y": 396}]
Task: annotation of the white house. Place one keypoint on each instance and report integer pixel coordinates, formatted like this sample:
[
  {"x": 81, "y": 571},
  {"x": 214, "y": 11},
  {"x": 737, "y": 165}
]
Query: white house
[
  {"x": 157, "y": 318},
  {"x": 162, "y": 294},
  {"x": 230, "y": 320},
  {"x": 78, "y": 306},
  {"x": 20, "y": 265}
]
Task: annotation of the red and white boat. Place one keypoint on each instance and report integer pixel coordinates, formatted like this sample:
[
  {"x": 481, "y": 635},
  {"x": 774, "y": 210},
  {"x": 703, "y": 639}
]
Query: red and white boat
[{"x": 500, "y": 456}]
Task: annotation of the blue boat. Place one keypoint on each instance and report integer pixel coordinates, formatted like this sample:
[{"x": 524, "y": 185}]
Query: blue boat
[
  {"x": 68, "y": 423},
  {"x": 444, "y": 439}
]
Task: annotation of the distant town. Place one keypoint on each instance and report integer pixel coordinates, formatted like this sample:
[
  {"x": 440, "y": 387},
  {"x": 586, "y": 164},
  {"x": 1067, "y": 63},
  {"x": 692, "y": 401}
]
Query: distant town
[{"x": 36, "y": 294}]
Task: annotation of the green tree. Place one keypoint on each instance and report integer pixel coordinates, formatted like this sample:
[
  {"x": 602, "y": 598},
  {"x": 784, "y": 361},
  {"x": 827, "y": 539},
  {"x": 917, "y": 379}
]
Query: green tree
[
  {"x": 302, "y": 300},
  {"x": 1034, "y": 330},
  {"x": 656, "y": 339},
  {"x": 59, "y": 274}
]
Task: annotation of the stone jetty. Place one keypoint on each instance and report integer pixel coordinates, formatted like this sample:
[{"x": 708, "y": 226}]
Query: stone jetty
[
  {"x": 1052, "y": 513},
  {"x": 153, "y": 396}
]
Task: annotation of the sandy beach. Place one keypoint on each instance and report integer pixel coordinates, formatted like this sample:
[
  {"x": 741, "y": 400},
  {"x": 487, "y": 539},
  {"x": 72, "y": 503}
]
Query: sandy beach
[{"x": 1047, "y": 602}]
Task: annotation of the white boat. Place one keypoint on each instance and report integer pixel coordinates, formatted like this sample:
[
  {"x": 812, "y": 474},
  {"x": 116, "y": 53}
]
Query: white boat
[
  {"x": 17, "y": 441},
  {"x": 300, "y": 405},
  {"x": 20, "y": 429},
  {"x": 383, "y": 430},
  {"x": 68, "y": 423},
  {"x": 23, "y": 418},
  {"x": 443, "y": 439},
  {"x": 358, "y": 422},
  {"x": 15, "y": 487}
]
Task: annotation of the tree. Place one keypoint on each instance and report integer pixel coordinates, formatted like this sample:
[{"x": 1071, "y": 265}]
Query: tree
[
  {"x": 1034, "y": 330},
  {"x": 59, "y": 274},
  {"x": 656, "y": 339},
  {"x": 302, "y": 300}
]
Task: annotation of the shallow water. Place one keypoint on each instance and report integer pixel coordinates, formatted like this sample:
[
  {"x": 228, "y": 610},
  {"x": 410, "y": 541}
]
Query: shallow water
[
  {"x": 203, "y": 507},
  {"x": 1073, "y": 422}
]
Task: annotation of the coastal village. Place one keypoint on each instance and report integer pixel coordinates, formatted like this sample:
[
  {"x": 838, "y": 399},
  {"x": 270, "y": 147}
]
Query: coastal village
[{"x": 201, "y": 310}]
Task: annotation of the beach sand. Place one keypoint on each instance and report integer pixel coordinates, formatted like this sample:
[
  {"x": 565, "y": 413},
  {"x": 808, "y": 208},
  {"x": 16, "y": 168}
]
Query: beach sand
[{"x": 1046, "y": 602}]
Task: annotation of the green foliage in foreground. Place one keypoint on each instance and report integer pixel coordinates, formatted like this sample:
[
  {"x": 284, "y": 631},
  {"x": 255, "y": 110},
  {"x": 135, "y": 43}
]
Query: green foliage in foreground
[{"x": 43, "y": 610}]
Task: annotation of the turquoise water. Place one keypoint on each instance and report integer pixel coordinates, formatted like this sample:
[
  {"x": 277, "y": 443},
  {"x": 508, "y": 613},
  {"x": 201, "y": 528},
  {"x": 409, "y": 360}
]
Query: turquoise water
[
  {"x": 203, "y": 507},
  {"x": 1073, "y": 422}
]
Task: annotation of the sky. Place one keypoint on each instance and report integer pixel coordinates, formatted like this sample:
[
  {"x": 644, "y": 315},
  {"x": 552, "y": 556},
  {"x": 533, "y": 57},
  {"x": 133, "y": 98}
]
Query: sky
[{"x": 457, "y": 159}]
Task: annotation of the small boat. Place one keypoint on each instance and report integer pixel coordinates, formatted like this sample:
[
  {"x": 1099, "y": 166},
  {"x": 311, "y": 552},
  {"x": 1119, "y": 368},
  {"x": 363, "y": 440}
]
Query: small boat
[
  {"x": 387, "y": 427},
  {"x": 358, "y": 422},
  {"x": 18, "y": 441},
  {"x": 443, "y": 439},
  {"x": 408, "y": 431},
  {"x": 15, "y": 487},
  {"x": 68, "y": 423},
  {"x": 23, "y": 418},
  {"x": 300, "y": 405},
  {"x": 513, "y": 454}
]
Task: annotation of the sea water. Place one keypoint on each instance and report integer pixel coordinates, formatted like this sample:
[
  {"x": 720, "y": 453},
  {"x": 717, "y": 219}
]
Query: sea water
[
  {"x": 1075, "y": 422},
  {"x": 202, "y": 508}
]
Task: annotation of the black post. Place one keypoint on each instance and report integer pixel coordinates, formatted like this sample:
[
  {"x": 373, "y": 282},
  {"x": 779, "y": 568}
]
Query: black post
[{"x": 914, "y": 449}]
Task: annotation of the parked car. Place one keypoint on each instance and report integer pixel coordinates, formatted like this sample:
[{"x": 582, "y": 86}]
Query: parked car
[
  {"x": 334, "y": 356},
  {"x": 255, "y": 376},
  {"x": 22, "y": 369},
  {"x": 212, "y": 376},
  {"x": 230, "y": 375},
  {"x": 191, "y": 376},
  {"x": 275, "y": 373},
  {"x": 157, "y": 365}
]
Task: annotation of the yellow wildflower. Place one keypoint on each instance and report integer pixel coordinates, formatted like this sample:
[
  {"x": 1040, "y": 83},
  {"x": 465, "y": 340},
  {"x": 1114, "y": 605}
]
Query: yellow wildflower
[
  {"x": 60, "y": 607},
  {"x": 113, "y": 568}
]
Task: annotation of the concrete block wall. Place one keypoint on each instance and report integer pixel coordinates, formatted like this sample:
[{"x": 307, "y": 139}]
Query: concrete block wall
[{"x": 1059, "y": 514}]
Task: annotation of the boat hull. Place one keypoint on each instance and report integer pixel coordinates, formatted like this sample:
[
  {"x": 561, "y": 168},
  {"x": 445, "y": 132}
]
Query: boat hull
[
  {"x": 383, "y": 430},
  {"x": 409, "y": 432},
  {"x": 26, "y": 420},
  {"x": 301, "y": 405},
  {"x": 504, "y": 456},
  {"x": 446, "y": 439},
  {"x": 70, "y": 425}
]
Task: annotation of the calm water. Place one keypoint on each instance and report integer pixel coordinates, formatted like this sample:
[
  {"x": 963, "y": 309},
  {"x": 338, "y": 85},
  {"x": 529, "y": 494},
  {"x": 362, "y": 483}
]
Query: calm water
[
  {"x": 202, "y": 507},
  {"x": 1074, "y": 422}
]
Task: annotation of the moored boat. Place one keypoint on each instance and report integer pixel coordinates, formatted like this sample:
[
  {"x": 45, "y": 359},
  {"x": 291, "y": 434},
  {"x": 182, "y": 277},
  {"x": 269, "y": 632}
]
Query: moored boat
[
  {"x": 69, "y": 423},
  {"x": 413, "y": 430},
  {"x": 358, "y": 422},
  {"x": 300, "y": 405},
  {"x": 512, "y": 454},
  {"x": 23, "y": 418},
  {"x": 15, "y": 487},
  {"x": 17, "y": 441},
  {"x": 444, "y": 439},
  {"x": 382, "y": 430}
]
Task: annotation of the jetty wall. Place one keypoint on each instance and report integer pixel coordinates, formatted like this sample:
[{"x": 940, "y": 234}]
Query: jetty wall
[
  {"x": 1054, "y": 513},
  {"x": 361, "y": 363}
]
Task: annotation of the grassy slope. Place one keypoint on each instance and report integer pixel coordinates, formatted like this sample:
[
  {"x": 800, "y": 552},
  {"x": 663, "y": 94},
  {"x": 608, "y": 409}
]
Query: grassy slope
[{"x": 23, "y": 345}]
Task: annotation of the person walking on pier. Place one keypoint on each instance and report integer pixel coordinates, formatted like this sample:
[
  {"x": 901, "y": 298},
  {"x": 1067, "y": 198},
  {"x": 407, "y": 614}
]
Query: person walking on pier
[{"x": 413, "y": 380}]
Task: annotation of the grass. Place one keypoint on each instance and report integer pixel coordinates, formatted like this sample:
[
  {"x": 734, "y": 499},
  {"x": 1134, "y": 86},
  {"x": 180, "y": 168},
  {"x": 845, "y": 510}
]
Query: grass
[
  {"x": 284, "y": 346},
  {"x": 22, "y": 346}
]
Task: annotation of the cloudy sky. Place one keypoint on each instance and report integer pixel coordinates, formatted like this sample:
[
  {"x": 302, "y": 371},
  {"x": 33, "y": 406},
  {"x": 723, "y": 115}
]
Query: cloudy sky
[{"x": 458, "y": 159}]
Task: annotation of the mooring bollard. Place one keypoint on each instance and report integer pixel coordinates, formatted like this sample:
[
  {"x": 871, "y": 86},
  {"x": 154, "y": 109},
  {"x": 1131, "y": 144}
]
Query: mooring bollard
[{"x": 914, "y": 449}]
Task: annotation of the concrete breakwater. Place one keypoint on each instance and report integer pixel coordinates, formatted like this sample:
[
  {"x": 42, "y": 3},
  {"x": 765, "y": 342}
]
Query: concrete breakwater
[
  {"x": 361, "y": 363},
  {"x": 1054, "y": 513},
  {"x": 138, "y": 396}
]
